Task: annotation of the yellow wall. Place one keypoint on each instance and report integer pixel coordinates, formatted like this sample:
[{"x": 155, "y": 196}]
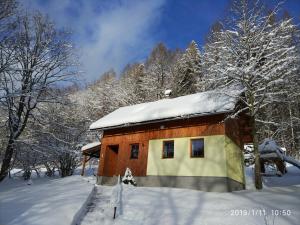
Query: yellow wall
[
  {"x": 234, "y": 162},
  {"x": 213, "y": 163}
]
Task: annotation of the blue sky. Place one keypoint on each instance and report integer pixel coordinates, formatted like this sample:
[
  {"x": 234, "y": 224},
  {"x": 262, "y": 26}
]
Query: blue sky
[{"x": 111, "y": 33}]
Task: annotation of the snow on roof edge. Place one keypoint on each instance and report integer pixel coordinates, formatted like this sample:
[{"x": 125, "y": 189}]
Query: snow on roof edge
[
  {"x": 90, "y": 145},
  {"x": 160, "y": 120},
  {"x": 199, "y": 104}
]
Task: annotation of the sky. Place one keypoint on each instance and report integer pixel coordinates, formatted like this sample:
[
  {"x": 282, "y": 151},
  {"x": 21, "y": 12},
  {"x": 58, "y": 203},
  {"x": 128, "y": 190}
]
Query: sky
[{"x": 108, "y": 34}]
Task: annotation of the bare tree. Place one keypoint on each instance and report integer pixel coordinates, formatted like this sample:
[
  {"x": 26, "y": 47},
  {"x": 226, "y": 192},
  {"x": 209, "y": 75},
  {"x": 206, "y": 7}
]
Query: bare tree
[
  {"x": 59, "y": 134},
  {"x": 7, "y": 8},
  {"x": 7, "y": 11},
  {"x": 159, "y": 71},
  {"x": 43, "y": 56},
  {"x": 7, "y": 19}
]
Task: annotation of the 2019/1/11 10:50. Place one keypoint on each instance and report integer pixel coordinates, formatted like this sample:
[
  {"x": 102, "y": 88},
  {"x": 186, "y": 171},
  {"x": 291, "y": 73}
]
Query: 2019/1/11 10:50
[{"x": 260, "y": 212}]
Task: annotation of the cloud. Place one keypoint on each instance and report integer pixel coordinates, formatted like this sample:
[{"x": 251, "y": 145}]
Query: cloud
[{"x": 109, "y": 34}]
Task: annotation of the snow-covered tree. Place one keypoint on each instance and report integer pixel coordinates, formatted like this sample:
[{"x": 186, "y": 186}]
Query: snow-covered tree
[
  {"x": 211, "y": 55},
  {"x": 128, "y": 178},
  {"x": 43, "y": 56},
  {"x": 7, "y": 19},
  {"x": 101, "y": 97},
  {"x": 188, "y": 73},
  {"x": 132, "y": 83},
  {"x": 55, "y": 135},
  {"x": 159, "y": 71},
  {"x": 258, "y": 55}
]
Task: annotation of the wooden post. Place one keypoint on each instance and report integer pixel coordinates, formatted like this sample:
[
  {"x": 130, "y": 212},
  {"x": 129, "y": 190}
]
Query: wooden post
[
  {"x": 83, "y": 165},
  {"x": 115, "y": 210}
]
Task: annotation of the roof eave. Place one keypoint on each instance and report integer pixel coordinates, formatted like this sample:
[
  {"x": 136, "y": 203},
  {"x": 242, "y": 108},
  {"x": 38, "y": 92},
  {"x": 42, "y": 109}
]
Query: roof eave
[{"x": 162, "y": 120}]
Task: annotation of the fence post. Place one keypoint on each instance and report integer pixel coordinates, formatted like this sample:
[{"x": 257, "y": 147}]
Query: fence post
[
  {"x": 118, "y": 196},
  {"x": 115, "y": 210}
]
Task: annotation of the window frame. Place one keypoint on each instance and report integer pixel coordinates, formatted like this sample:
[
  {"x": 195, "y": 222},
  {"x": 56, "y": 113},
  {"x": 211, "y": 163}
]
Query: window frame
[
  {"x": 130, "y": 157},
  {"x": 191, "y": 148},
  {"x": 163, "y": 145}
]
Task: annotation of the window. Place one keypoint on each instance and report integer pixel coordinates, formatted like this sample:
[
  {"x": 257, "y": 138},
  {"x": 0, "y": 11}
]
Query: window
[
  {"x": 134, "y": 153},
  {"x": 168, "y": 149},
  {"x": 197, "y": 147}
]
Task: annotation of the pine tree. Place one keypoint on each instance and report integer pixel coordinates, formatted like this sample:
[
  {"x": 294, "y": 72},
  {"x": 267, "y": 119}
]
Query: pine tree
[
  {"x": 188, "y": 72},
  {"x": 212, "y": 55},
  {"x": 132, "y": 82}
]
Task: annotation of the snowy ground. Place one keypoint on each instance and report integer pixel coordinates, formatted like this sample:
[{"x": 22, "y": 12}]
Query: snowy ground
[
  {"x": 58, "y": 201},
  {"x": 270, "y": 180},
  {"x": 154, "y": 206},
  {"x": 46, "y": 201}
]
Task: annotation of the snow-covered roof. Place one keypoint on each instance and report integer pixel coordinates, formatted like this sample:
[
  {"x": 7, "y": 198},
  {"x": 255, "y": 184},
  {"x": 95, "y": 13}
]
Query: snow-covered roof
[
  {"x": 210, "y": 102},
  {"x": 90, "y": 145}
]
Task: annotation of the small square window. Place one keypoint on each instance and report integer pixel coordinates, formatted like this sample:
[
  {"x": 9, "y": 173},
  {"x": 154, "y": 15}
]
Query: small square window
[
  {"x": 168, "y": 149},
  {"x": 134, "y": 152},
  {"x": 197, "y": 148}
]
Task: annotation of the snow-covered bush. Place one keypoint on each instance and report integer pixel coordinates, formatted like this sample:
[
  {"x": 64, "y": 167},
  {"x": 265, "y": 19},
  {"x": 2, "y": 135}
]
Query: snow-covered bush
[{"x": 128, "y": 178}]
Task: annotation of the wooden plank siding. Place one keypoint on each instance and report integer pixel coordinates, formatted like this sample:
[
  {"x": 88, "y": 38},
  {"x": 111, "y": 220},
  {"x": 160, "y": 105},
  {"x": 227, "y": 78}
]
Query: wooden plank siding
[
  {"x": 233, "y": 130},
  {"x": 191, "y": 127},
  {"x": 246, "y": 129}
]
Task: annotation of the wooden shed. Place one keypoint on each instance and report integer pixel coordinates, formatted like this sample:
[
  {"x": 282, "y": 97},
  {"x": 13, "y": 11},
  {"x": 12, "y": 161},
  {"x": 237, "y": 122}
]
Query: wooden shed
[
  {"x": 89, "y": 151},
  {"x": 185, "y": 142}
]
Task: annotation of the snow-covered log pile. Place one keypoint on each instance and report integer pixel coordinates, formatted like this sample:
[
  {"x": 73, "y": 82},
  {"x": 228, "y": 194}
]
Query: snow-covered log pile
[{"x": 270, "y": 150}]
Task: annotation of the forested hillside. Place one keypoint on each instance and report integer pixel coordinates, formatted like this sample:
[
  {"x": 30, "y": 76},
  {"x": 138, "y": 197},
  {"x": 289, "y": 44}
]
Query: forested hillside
[{"x": 45, "y": 123}]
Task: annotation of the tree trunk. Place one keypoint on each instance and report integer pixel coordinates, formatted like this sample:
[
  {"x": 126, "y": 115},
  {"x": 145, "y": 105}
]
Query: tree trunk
[
  {"x": 293, "y": 144},
  {"x": 49, "y": 172},
  {"x": 257, "y": 167},
  {"x": 7, "y": 159},
  {"x": 84, "y": 160},
  {"x": 37, "y": 172},
  {"x": 27, "y": 173}
]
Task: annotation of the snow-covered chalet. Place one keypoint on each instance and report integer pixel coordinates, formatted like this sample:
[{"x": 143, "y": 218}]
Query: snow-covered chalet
[{"x": 185, "y": 142}]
